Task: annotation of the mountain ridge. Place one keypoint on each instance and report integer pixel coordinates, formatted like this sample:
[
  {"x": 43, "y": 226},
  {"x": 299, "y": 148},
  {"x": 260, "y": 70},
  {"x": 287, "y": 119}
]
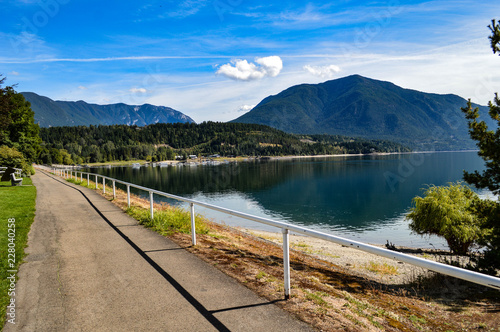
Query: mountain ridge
[
  {"x": 363, "y": 107},
  {"x": 57, "y": 113}
]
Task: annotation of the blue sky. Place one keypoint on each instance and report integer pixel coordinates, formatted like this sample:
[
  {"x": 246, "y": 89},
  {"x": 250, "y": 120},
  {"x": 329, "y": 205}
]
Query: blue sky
[{"x": 215, "y": 59}]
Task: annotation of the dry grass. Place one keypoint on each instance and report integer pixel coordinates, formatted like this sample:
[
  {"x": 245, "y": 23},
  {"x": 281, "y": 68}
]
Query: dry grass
[
  {"x": 384, "y": 268},
  {"x": 329, "y": 297}
]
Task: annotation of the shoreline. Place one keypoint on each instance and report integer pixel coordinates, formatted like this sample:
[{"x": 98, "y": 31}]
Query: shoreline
[
  {"x": 358, "y": 262},
  {"x": 237, "y": 159}
]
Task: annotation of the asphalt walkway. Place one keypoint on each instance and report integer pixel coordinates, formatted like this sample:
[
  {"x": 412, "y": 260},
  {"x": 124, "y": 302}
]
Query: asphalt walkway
[{"x": 91, "y": 267}]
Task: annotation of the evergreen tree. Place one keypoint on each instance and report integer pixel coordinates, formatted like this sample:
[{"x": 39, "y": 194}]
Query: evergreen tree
[{"x": 488, "y": 142}]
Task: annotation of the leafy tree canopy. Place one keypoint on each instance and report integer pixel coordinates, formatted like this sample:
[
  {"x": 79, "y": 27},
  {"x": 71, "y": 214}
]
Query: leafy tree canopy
[
  {"x": 17, "y": 122},
  {"x": 10, "y": 157},
  {"x": 448, "y": 212}
]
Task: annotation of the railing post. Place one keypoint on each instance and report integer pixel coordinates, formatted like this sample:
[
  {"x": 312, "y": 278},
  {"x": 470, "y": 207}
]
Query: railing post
[
  {"x": 128, "y": 195},
  {"x": 114, "y": 190},
  {"x": 81, "y": 176},
  {"x": 103, "y": 185},
  {"x": 193, "y": 225},
  {"x": 151, "y": 210},
  {"x": 286, "y": 262},
  {"x": 88, "y": 179},
  {"x": 96, "y": 186}
]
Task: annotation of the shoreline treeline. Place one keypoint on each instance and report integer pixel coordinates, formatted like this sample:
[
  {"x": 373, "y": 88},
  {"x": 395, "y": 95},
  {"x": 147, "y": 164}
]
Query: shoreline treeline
[{"x": 163, "y": 141}]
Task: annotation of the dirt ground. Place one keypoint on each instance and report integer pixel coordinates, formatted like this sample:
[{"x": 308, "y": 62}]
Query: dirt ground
[{"x": 359, "y": 293}]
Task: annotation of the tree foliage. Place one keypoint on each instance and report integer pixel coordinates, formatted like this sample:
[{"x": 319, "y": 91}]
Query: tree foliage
[
  {"x": 448, "y": 212},
  {"x": 488, "y": 142},
  {"x": 10, "y": 157},
  {"x": 165, "y": 141},
  {"x": 495, "y": 36},
  {"x": 17, "y": 123}
]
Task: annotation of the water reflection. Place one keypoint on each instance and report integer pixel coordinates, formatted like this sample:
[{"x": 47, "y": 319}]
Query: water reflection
[{"x": 358, "y": 195}]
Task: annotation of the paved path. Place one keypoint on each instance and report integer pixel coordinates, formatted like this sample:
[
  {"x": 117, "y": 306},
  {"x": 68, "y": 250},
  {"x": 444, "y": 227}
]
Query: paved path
[{"x": 90, "y": 267}]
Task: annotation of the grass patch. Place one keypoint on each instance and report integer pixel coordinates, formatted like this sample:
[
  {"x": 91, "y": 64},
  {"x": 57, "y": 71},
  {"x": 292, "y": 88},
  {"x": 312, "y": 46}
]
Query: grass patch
[
  {"x": 317, "y": 297},
  {"x": 417, "y": 322},
  {"x": 168, "y": 220},
  {"x": 17, "y": 203},
  {"x": 385, "y": 268}
]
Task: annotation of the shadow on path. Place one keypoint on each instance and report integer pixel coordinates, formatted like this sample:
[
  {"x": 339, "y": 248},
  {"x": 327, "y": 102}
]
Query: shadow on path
[{"x": 207, "y": 314}]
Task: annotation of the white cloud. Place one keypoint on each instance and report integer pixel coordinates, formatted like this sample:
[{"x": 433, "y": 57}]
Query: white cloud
[
  {"x": 81, "y": 87},
  {"x": 15, "y": 73},
  {"x": 138, "y": 90},
  {"x": 187, "y": 8},
  {"x": 244, "y": 71},
  {"x": 246, "y": 108},
  {"x": 322, "y": 71}
]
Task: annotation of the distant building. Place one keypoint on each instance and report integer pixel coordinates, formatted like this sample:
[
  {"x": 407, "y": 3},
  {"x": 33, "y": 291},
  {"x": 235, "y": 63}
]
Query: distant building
[{"x": 193, "y": 156}]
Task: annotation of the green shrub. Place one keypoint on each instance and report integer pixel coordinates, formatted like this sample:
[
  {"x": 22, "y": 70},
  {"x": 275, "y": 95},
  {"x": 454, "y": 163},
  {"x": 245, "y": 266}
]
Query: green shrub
[
  {"x": 448, "y": 212},
  {"x": 11, "y": 157}
]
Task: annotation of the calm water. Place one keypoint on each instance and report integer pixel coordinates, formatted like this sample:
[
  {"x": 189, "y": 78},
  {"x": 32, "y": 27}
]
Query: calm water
[{"x": 359, "y": 197}]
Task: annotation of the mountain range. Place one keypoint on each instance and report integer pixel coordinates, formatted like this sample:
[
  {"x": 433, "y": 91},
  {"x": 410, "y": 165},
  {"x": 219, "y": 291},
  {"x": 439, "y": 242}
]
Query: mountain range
[
  {"x": 368, "y": 108},
  {"x": 50, "y": 113}
]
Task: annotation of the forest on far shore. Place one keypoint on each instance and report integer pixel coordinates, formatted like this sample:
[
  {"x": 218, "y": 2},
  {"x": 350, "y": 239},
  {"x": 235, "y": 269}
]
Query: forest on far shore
[{"x": 162, "y": 141}]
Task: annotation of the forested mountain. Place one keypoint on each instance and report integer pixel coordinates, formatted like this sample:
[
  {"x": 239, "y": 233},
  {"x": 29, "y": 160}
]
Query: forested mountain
[
  {"x": 165, "y": 141},
  {"x": 363, "y": 107},
  {"x": 50, "y": 113}
]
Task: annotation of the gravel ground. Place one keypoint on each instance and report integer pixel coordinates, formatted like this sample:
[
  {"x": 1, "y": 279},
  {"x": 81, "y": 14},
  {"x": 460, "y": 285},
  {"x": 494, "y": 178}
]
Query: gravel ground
[{"x": 358, "y": 262}]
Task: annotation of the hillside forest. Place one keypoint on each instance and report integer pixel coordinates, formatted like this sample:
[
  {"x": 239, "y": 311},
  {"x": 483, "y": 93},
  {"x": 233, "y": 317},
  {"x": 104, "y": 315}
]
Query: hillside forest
[{"x": 157, "y": 142}]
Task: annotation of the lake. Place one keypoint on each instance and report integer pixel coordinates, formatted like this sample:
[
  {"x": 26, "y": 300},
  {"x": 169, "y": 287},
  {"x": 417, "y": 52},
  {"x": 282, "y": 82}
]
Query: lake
[{"x": 364, "y": 198}]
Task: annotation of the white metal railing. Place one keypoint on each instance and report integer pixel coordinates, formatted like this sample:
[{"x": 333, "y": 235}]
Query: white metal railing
[{"x": 453, "y": 271}]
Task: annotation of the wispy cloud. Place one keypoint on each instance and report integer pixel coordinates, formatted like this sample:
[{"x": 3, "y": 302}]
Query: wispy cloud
[
  {"x": 245, "y": 108},
  {"x": 138, "y": 90},
  {"x": 125, "y": 58},
  {"x": 322, "y": 71},
  {"x": 313, "y": 16},
  {"x": 243, "y": 70},
  {"x": 188, "y": 8}
]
